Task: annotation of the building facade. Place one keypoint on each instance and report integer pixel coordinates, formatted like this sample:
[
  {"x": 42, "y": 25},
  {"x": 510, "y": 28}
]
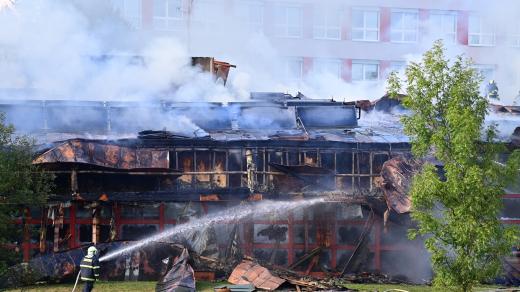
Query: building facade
[
  {"x": 113, "y": 187},
  {"x": 112, "y": 192},
  {"x": 353, "y": 40}
]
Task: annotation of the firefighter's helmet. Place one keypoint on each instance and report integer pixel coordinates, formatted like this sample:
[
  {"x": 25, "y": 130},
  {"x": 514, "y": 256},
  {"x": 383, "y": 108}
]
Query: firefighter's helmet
[{"x": 92, "y": 250}]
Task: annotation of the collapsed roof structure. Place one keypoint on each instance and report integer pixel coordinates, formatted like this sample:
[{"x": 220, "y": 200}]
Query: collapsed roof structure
[{"x": 112, "y": 185}]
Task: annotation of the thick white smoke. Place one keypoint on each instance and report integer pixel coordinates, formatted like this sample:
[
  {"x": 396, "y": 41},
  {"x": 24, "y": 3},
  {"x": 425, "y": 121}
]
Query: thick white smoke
[
  {"x": 65, "y": 51},
  {"x": 85, "y": 50},
  {"x": 61, "y": 48}
]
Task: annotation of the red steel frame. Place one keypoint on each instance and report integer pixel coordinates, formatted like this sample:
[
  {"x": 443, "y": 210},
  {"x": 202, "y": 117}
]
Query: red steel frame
[{"x": 248, "y": 233}]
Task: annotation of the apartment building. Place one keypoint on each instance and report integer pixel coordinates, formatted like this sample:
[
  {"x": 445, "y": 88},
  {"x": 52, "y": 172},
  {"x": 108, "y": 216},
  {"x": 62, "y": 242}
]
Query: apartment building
[{"x": 354, "y": 40}]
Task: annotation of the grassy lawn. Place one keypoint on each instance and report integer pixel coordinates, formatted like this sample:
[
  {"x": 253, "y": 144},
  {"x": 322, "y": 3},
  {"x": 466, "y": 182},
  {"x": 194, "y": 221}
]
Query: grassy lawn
[
  {"x": 208, "y": 287},
  {"x": 112, "y": 286},
  {"x": 409, "y": 288}
]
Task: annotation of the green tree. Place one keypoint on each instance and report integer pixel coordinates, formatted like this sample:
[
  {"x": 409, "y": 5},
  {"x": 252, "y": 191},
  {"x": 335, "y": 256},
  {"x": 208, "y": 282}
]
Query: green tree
[
  {"x": 456, "y": 211},
  {"x": 22, "y": 184}
]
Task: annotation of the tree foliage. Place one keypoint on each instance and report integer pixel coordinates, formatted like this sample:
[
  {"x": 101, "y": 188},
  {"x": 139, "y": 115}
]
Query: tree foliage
[
  {"x": 22, "y": 184},
  {"x": 457, "y": 212}
]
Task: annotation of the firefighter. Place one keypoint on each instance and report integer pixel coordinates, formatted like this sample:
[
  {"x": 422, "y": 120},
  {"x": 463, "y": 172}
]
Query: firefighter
[
  {"x": 90, "y": 269},
  {"x": 492, "y": 90}
]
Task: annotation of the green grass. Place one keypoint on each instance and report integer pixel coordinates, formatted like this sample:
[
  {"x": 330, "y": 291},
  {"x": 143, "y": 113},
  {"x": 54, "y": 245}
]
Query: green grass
[
  {"x": 99, "y": 286},
  {"x": 208, "y": 287},
  {"x": 112, "y": 286},
  {"x": 409, "y": 288}
]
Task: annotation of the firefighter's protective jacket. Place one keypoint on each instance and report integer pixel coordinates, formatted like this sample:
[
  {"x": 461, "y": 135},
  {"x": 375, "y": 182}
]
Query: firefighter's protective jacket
[{"x": 89, "y": 268}]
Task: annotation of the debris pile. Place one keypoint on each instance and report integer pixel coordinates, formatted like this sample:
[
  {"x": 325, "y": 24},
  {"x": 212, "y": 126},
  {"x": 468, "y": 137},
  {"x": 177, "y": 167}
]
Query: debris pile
[
  {"x": 179, "y": 275},
  {"x": 372, "y": 278},
  {"x": 248, "y": 272},
  {"x": 118, "y": 189},
  {"x": 396, "y": 177},
  {"x": 268, "y": 277}
]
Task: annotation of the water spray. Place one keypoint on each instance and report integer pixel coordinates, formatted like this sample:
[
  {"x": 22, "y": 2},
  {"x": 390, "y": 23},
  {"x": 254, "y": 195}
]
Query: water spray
[{"x": 232, "y": 214}]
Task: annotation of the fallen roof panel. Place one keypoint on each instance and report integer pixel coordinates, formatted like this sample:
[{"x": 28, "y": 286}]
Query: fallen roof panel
[{"x": 249, "y": 272}]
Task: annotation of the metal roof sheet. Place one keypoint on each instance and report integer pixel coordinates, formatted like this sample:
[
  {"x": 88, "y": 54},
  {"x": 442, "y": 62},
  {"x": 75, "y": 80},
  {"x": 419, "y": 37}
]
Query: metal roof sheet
[{"x": 249, "y": 272}]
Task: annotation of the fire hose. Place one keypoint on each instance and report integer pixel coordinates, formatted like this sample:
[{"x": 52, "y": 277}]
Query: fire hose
[{"x": 77, "y": 279}]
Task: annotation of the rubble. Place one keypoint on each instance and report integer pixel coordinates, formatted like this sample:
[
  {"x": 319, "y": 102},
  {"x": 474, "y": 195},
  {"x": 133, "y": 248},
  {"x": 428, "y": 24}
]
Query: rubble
[
  {"x": 373, "y": 278},
  {"x": 389, "y": 104},
  {"x": 179, "y": 275},
  {"x": 144, "y": 264},
  {"x": 396, "y": 176},
  {"x": 248, "y": 272},
  {"x": 361, "y": 241},
  {"x": 256, "y": 272},
  {"x": 219, "y": 69},
  {"x": 235, "y": 288},
  {"x": 124, "y": 186}
]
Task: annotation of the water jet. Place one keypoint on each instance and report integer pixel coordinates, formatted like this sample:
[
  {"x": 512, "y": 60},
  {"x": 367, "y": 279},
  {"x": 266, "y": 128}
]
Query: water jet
[{"x": 233, "y": 214}]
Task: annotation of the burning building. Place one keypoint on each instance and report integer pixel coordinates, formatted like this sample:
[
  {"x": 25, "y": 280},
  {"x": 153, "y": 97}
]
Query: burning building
[
  {"x": 114, "y": 187},
  {"x": 125, "y": 170}
]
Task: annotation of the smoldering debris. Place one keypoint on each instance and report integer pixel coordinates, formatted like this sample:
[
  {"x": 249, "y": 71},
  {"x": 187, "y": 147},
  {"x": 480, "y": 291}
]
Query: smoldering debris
[
  {"x": 248, "y": 272},
  {"x": 179, "y": 275},
  {"x": 374, "y": 278},
  {"x": 267, "y": 277},
  {"x": 396, "y": 178}
]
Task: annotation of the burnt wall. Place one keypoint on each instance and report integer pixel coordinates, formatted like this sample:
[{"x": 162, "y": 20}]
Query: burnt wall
[
  {"x": 261, "y": 169},
  {"x": 281, "y": 238}
]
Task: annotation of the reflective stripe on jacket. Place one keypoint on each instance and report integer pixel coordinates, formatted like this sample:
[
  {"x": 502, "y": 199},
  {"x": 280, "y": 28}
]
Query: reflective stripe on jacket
[{"x": 89, "y": 268}]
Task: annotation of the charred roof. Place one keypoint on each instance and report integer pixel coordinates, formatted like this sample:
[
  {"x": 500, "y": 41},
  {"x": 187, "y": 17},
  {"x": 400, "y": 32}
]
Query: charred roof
[{"x": 268, "y": 117}]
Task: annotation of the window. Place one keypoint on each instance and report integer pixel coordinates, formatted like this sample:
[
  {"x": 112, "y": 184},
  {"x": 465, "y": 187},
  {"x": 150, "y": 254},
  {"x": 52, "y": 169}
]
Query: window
[
  {"x": 85, "y": 233},
  {"x": 288, "y": 21},
  {"x": 365, "y": 25},
  {"x": 252, "y": 14},
  {"x": 404, "y": 26},
  {"x": 365, "y": 71},
  {"x": 396, "y": 66},
  {"x": 294, "y": 68},
  {"x": 344, "y": 162},
  {"x": 327, "y": 25},
  {"x": 130, "y": 10},
  {"x": 167, "y": 14},
  {"x": 330, "y": 66},
  {"x": 480, "y": 33},
  {"x": 327, "y": 160},
  {"x": 511, "y": 208},
  {"x": 377, "y": 162},
  {"x": 137, "y": 232},
  {"x": 141, "y": 211},
  {"x": 443, "y": 25}
]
